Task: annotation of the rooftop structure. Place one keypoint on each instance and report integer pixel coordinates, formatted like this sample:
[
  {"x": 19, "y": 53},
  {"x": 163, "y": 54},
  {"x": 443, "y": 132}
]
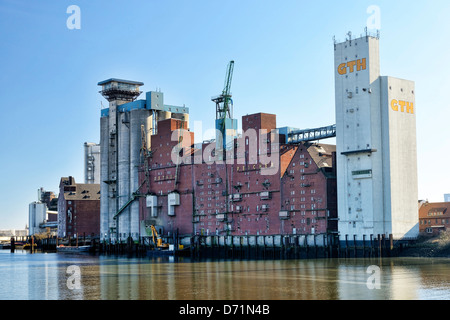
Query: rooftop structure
[{"x": 118, "y": 89}]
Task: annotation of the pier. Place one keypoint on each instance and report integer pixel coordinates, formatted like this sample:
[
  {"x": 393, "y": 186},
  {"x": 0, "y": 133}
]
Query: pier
[
  {"x": 265, "y": 246},
  {"x": 292, "y": 247},
  {"x": 231, "y": 247}
]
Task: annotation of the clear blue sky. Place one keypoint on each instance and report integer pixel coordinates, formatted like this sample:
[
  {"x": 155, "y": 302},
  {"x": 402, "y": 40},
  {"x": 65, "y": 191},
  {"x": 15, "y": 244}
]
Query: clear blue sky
[{"x": 283, "y": 52}]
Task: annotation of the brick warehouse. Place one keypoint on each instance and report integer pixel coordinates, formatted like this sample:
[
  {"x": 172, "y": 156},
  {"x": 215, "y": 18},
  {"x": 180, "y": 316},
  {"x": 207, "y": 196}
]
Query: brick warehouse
[
  {"x": 293, "y": 193},
  {"x": 78, "y": 208}
]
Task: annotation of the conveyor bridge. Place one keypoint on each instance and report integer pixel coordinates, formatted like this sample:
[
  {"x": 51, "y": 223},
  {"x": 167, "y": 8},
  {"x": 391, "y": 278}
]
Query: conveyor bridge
[{"x": 311, "y": 134}]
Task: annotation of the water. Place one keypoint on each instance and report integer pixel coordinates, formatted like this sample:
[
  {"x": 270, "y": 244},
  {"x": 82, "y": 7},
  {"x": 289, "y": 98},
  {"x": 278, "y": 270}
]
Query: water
[{"x": 25, "y": 276}]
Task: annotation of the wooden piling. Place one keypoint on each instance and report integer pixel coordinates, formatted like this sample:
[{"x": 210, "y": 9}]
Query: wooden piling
[{"x": 13, "y": 244}]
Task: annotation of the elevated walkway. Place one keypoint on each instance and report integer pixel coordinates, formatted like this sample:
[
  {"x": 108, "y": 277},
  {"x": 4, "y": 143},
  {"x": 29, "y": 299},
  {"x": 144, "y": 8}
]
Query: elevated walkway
[{"x": 305, "y": 135}]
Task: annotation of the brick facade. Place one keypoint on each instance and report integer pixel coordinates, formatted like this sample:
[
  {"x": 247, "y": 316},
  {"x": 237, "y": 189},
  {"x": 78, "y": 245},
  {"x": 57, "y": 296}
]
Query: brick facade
[
  {"x": 78, "y": 209},
  {"x": 434, "y": 217},
  {"x": 247, "y": 196}
]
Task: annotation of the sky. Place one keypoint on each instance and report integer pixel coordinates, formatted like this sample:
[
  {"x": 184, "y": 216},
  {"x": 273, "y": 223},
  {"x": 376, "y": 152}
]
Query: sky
[{"x": 284, "y": 64}]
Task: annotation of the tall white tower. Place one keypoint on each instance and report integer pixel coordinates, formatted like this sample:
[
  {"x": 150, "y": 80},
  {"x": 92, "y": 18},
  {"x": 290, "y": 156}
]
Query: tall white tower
[
  {"x": 376, "y": 145},
  {"x": 120, "y": 143}
]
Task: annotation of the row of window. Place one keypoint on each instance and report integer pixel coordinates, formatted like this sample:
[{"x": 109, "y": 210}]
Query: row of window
[
  {"x": 435, "y": 213},
  {"x": 442, "y": 221},
  {"x": 312, "y": 191}
]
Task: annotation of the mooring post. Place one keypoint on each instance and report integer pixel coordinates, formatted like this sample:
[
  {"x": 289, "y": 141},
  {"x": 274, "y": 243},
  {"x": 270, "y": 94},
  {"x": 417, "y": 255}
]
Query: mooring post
[
  {"x": 315, "y": 245},
  {"x": 346, "y": 245},
  {"x": 391, "y": 243},
  {"x": 264, "y": 246},
  {"x": 364, "y": 245},
  {"x": 371, "y": 246},
  {"x": 13, "y": 244},
  {"x": 379, "y": 245}
]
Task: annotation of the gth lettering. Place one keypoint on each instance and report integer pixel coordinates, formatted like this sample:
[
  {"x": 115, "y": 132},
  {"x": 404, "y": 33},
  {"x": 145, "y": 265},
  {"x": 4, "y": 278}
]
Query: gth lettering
[
  {"x": 402, "y": 106},
  {"x": 350, "y": 66}
]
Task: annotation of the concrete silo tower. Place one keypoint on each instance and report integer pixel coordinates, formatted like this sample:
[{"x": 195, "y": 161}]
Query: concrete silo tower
[
  {"x": 376, "y": 145},
  {"x": 120, "y": 140}
]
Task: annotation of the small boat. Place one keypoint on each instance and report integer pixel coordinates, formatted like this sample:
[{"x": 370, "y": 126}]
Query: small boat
[
  {"x": 27, "y": 246},
  {"x": 73, "y": 249},
  {"x": 5, "y": 246},
  {"x": 160, "y": 252},
  {"x": 169, "y": 251}
]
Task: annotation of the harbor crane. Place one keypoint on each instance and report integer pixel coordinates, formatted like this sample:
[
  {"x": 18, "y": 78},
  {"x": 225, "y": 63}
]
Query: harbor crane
[{"x": 224, "y": 103}]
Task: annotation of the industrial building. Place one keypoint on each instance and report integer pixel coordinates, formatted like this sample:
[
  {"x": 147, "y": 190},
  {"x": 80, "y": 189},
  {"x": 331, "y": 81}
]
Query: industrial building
[
  {"x": 43, "y": 214},
  {"x": 434, "y": 217},
  {"x": 293, "y": 193},
  {"x": 376, "y": 145},
  {"x": 126, "y": 125},
  {"x": 153, "y": 175},
  {"x": 78, "y": 209},
  {"x": 91, "y": 163},
  {"x": 268, "y": 180}
]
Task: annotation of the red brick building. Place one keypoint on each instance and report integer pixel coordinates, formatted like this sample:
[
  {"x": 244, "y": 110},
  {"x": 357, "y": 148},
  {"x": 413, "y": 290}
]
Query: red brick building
[
  {"x": 264, "y": 188},
  {"x": 78, "y": 208},
  {"x": 434, "y": 217}
]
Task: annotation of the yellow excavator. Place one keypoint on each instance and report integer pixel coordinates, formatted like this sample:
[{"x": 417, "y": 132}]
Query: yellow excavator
[{"x": 157, "y": 239}]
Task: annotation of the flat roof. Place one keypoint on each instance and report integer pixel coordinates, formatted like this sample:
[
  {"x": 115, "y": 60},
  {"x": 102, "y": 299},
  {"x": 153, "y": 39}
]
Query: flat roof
[{"x": 120, "y": 80}]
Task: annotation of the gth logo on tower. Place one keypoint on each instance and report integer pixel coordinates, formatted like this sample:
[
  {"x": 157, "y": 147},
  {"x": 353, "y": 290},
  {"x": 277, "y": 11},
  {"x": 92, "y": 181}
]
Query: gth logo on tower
[
  {"x": 349, "y": 67},
  {"x": 402, "y": 106}
]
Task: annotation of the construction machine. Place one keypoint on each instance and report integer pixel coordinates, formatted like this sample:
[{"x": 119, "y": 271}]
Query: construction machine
[{"x": 157, "y": 239}]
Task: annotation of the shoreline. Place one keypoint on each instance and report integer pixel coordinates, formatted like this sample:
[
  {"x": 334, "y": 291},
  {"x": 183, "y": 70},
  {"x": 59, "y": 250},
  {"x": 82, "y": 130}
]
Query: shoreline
[{"x": 429, "y": 247}]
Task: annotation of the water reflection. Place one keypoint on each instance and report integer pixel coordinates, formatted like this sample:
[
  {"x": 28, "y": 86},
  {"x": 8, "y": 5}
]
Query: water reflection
[{"x": 44, "y": 276}]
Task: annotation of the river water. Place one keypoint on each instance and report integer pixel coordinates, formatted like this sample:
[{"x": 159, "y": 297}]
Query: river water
[{"x": 56, "y": 276}]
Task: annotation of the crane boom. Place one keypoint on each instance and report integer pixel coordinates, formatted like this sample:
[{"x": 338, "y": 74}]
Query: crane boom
[
  {"x": 227, "y": 91},
  {"x": 228, "y": 78}
]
